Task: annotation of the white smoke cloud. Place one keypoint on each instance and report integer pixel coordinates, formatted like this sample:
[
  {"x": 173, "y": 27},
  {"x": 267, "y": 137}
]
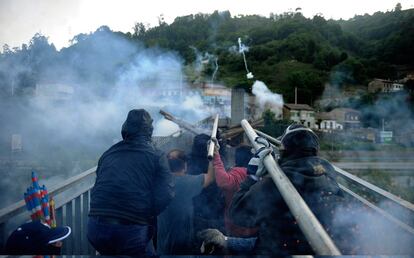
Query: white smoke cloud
[
  {"x": 265, "y": 99},
  {"x": 108, "y": 76},
  {"x": 165, "y": 127}
]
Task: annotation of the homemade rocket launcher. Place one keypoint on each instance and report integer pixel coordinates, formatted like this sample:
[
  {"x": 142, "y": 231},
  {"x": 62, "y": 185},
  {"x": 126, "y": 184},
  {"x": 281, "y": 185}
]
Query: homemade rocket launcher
[
  {"x": 316, "y": 235},
  {"x": 38, "y": 202}
]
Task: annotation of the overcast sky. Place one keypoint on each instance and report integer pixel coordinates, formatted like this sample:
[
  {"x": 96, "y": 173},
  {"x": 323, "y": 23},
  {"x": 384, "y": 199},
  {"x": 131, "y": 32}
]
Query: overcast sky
[{"x": 60, "y": 20}]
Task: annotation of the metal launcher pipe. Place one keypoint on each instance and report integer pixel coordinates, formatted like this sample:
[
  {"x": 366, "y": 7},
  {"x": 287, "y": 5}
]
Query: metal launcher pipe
[
  {"x": 268, "y": 137},
  {"x": 315, "y": 234},
  {"x": 210, "y": 153}
]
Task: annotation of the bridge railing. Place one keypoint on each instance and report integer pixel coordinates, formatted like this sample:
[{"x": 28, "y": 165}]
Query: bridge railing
[
  {"x": 72, "y": 197},
  {"x": 72, "y": 205},
  {"x": 389, "y": 205}
]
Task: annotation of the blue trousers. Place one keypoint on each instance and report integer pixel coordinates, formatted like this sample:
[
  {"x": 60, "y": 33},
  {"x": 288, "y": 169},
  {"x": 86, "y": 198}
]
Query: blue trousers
[{"x": 110, "y": 239}]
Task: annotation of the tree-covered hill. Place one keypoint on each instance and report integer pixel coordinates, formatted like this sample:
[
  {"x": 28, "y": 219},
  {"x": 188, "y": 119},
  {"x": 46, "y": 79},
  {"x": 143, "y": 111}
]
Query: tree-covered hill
[
  {"x": 289, "y": 50},
  {"x": 284, "y": 50}
]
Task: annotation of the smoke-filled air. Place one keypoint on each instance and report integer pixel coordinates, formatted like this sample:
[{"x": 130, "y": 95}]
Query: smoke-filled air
[{"x": 219, "y": 133}]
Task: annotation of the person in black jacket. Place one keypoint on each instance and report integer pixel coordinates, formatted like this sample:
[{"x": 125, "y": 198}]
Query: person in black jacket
[
  {"x": 260, "y": 204},
  {"x": 133, "y": 185}
]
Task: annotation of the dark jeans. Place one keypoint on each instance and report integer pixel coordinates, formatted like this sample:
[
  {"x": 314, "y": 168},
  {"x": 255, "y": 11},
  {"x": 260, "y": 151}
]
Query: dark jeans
[{"x": 110, "y": 239}]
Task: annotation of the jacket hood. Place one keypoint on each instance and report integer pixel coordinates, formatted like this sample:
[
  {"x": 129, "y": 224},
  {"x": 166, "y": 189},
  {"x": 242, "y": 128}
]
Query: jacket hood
[
  {"x": 311, "y": 173},
  {"x": 137, "y": 125}
]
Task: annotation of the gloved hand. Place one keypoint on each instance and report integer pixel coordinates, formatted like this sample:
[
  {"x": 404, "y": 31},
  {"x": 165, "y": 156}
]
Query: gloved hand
[
  {"x": 213, "y": 241},
  {"x": 262, "y": 141},
  {"x": 216, "y": 145},
  {"x": 256, "y": 166}
]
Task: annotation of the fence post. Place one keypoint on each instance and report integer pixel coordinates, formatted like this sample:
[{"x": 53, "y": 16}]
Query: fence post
[
  {"x": 77, "y": 227},
  {"x": 2, "y": 236},
  {"x": 69, "y": 222}
]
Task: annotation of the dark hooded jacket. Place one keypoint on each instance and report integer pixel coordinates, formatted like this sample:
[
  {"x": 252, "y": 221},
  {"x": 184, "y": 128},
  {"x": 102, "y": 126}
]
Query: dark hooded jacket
[
  {"x": 133, "y": 181},
  {"x": 260, "y": 204}
]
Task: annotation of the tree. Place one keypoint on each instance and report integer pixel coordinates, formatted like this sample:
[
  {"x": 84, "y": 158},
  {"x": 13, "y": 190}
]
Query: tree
[
  {"x": 139, "y": 29},
  {"x": 398, "y": 7}
]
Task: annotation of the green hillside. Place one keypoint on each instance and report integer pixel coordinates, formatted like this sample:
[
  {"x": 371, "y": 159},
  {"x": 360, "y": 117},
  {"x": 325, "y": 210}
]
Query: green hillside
[{"x": 289, "y": 50}]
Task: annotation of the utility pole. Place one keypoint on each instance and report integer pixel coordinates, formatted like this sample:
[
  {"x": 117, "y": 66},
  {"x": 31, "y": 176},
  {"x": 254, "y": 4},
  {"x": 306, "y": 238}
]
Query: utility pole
[{"x": 296, "y": 95}]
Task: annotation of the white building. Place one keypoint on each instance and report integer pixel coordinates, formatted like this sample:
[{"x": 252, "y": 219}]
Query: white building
[
  {"x": 327, "y": 123},
  {"x": 300, "y": 113}
]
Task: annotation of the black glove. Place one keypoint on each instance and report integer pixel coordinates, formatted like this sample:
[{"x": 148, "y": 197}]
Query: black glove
[{"x": 213, "y": 241}]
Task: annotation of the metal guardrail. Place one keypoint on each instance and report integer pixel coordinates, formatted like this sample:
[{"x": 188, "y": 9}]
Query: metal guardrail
[
  {"x": 395, "y": 206},
  {"x": 72, "y": 206},
  {"x": 72, "y": 198},
  {"x": 378, "y": 210}
]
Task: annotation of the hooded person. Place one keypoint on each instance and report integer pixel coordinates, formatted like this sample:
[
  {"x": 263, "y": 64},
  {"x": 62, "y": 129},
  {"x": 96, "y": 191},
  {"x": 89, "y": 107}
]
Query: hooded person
[
  {"x": 260, "y": 204},
  {"x": 133, "y": 186}
]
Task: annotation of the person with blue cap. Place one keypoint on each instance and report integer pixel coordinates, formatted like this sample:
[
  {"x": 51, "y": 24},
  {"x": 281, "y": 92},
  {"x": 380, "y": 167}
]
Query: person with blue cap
[{"x": 36, "y": 238}]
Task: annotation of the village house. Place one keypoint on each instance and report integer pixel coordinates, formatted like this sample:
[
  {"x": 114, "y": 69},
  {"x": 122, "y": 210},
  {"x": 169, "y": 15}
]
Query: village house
[
  {"x": 347, "y": 117},
  {"x": 326, "y": 122},
  {"x": 216, "y": 94},
  {"x": 384, "y": 86},
  {"x": 299, "y": 113}
]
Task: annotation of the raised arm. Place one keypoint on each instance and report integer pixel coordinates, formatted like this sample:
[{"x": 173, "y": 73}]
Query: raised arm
[
  {"x": 223, "y": 179},
  {"x": 210, "y": 176}
]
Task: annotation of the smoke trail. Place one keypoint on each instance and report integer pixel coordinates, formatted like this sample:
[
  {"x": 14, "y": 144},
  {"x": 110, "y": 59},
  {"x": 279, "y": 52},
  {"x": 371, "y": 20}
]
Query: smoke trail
[
  {"x": 242, "y": 49},
  {"x": 213, "y": 77}
]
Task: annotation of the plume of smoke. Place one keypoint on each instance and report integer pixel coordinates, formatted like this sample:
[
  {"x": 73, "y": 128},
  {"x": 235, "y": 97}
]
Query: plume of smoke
[
  {"x": 204, "y": 59},
  {"x": 360, "y": 230},
  {"x": 198, "y": 63},
  {"x": 107, "y": 76},
  {"x": 265, "y": 99},
  {"x": 165, "y": 127}
]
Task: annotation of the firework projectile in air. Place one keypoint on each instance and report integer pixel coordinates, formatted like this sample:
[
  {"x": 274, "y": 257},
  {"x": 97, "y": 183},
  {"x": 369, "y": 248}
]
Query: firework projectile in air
[{"x": 249, "y": 74}]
